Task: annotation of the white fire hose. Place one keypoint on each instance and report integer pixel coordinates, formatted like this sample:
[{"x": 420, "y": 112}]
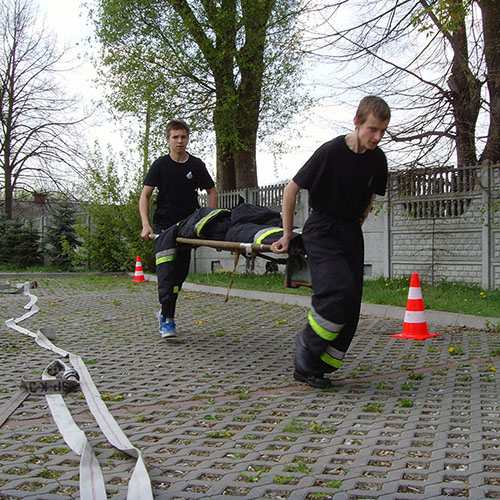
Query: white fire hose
[{"x": 58, "y": 379}]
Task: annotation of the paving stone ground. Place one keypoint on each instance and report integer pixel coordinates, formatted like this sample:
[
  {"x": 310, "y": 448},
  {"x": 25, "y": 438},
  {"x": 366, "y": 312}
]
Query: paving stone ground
[{"x": 217, "y": 414}]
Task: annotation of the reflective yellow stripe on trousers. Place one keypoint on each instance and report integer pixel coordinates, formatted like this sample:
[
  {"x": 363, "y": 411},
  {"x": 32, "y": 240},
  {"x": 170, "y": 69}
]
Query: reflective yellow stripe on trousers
[
  {"x": 320, "y": 330},
  {"x": 165, "y": 256}
]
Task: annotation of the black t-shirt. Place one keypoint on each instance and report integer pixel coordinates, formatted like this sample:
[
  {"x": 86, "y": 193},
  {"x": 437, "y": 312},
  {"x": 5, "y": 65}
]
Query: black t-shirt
[
  {"x": 341, "y": 182},
  {"x": 178, "y": 185}
]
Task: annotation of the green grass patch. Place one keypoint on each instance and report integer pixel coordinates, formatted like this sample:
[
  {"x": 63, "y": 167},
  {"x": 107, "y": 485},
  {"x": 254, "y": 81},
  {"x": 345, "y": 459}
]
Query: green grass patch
[
  {"x": 445, "y": 296},
  {"x": 261, "y": 282},
  {"x": 295, "y": 426},
  {"x": 14, "y": 268},
  {"x": 49, "y": 474},
  {"x": 374, "y": 407},
  {"x": 278, "y": 479},
  {"x": 406, "y": 403}
]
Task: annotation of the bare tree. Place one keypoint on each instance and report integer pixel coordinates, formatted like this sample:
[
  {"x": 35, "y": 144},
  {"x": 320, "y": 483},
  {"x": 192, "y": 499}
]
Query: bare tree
[
  {"x": 438, "y": 65},
  {"x": 37, "y": 140}
]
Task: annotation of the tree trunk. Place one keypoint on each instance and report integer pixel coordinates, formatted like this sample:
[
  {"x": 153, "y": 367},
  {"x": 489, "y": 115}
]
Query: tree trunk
[
  {"x": 251, "y": 63},
  {"x": 7, "y": 160},
  {"x": 225, "y": 165},
  {"x": 224, "y": 126},
  {"x": 247, "y": 124},
  {"x": 491, "y": 32},
  {"x": 246, "y": 163},
  {"x": 238, "y": 93},
  {"x": 8, "y": 195},
  {"x": 465, "y": 98}
]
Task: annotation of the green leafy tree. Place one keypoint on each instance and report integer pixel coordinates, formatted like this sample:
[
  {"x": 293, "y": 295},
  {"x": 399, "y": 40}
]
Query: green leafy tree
[
  {"x": 19, "y": 245},
  {"x": 61, "y": 239},
  {"x": 111, "y": 240},
  {"x": 227, "y": 66}
]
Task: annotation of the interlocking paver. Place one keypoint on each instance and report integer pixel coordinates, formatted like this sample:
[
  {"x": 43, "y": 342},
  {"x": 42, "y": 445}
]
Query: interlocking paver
[{"x": 217, "y": 414}]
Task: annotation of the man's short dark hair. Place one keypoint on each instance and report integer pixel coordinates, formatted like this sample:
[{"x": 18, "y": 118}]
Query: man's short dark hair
[
  {"x": 177, "y": 125},
  {"x": 374, "y": 105}
]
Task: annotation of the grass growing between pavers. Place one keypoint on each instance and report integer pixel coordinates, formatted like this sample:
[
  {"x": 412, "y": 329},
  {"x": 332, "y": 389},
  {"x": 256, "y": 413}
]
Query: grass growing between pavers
[
  {"x": 444, "y": 296},
  {"x": 272, "y": 441}
]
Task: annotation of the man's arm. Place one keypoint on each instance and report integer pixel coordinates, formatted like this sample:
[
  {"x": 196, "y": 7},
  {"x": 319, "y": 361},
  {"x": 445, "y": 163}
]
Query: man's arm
[
  {"x": 144, "y": 199},
  {"x": 212, "y": 197},
  {"x": 288, "y": 210}
]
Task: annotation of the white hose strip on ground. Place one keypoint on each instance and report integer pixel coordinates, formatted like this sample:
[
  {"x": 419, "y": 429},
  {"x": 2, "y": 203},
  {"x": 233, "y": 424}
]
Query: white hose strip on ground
[
  {"x": 91, "y": 478},
  {"x": 92, "y": 485}
]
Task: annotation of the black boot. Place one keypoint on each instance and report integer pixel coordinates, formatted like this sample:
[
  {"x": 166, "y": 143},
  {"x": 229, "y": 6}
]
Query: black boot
[
  {"x": 308, "y": 367},
  {"x": 312, "y": 380}
]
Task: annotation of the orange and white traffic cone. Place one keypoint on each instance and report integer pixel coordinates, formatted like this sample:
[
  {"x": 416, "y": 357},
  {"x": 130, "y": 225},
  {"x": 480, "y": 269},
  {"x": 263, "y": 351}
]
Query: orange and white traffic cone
[
  {"x": 139, "y": 273},
  {"x": 415, "y": 324}
]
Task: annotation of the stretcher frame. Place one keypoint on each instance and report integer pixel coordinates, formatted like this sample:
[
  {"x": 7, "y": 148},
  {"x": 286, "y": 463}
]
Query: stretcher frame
[
  {"x": 248, "y": 248},
  {"x": 297, "y": 270}
]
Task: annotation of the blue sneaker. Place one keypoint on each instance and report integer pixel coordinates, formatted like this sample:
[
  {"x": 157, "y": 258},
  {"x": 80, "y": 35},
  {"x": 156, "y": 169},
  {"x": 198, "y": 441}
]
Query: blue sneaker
[{"x": 167, "y": 327}]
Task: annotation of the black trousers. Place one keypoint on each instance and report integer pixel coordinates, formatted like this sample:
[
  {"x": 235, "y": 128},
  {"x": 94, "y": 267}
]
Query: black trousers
[
  {"x": 335, "y": 254},
  {"x": 171, "y": 276}
]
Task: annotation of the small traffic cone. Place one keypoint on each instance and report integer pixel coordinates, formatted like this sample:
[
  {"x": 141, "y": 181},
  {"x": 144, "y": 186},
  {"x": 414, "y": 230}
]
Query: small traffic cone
[
  {"x": 139, "y": 273},
  {"x": 415, "y": 324}
]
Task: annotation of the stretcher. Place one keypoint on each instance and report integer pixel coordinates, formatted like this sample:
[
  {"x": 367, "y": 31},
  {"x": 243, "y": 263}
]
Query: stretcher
[
  {"x": 246, "y": 229},
  {"x": 296, "y": 267},
  {"x": 248, "y": 248}
]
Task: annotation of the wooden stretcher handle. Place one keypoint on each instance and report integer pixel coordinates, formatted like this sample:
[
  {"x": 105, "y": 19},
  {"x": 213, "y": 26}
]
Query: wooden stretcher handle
[{"x": 225, "y": 245}]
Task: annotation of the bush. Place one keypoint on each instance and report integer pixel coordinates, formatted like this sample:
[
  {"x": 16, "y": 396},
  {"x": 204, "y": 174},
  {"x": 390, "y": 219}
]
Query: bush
[
  {"x": 19, "y": 245},
  {"x": 111, "y": 241},
  {"x": 61, "y": 239}
]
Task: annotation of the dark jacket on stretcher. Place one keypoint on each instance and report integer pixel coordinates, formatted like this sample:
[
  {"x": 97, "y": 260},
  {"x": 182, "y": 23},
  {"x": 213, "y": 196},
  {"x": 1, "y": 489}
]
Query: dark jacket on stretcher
[{"x": 245, "y": 223}]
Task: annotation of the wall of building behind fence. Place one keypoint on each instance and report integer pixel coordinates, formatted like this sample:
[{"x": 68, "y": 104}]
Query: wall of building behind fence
[{"x": 443, "y": 223}]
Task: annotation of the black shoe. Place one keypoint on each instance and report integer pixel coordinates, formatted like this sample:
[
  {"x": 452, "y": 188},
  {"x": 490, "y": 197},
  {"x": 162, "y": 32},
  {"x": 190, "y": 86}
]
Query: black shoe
[{"x": 312, "y": 380}]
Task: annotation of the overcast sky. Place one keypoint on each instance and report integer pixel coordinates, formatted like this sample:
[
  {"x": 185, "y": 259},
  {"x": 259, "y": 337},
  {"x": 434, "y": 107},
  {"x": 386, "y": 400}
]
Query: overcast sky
[{"x": 68, "y": 19}]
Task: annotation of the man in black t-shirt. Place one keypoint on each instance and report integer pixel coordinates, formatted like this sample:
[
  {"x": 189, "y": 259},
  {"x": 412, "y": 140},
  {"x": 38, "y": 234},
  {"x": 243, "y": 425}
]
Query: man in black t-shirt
[
  {"x": 177, "y": 176},
  {"x": 342, "y": 177}
]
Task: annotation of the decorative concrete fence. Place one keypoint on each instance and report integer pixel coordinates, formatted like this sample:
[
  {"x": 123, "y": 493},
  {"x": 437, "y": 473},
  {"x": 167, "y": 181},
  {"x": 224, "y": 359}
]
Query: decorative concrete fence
[{"x": 443, "y": 223}]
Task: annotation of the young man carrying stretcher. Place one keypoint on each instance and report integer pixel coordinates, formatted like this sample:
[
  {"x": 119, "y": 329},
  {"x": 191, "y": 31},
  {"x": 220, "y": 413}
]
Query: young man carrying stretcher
[
  {"x": 342, "y": 177},
  {"x": 177, "y": 176}
]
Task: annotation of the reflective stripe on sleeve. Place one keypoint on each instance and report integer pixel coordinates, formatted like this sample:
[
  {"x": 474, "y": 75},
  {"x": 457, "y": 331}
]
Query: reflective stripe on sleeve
[
  {"x": 261, "y": 235},
  {"x": 202, "y": 222}
]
